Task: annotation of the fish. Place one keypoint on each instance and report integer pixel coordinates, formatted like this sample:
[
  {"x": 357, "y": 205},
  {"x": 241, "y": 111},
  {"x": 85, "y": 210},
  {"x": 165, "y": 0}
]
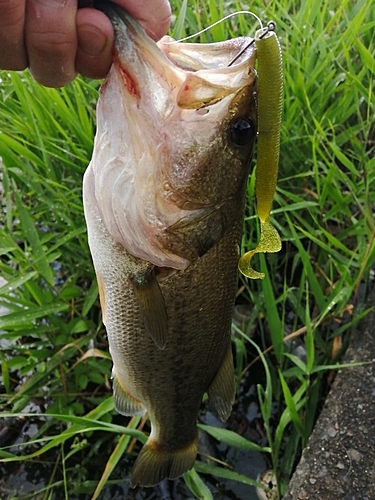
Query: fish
[{"x": 164, "y": 198}]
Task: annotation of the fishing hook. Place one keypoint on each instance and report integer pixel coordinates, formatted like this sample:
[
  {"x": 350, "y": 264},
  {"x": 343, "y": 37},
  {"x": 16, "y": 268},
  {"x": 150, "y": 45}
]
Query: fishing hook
[{"x": 271, "y": 26}]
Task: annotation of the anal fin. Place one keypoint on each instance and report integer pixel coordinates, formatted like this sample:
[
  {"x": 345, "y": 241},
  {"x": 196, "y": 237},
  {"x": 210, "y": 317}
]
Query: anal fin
[
  {"x": 222, "y": 390},
  {"x": 152, "y": 306},
  {"x": 124, "y": 402}
]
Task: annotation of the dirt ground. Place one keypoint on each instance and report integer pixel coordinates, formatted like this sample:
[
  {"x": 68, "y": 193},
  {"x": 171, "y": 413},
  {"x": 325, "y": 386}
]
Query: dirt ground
[{"x": 339, "y": 461}]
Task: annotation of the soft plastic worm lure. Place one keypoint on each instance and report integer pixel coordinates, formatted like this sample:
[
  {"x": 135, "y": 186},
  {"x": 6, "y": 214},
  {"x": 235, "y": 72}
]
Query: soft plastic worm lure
[{"x": 270, "y": 94}]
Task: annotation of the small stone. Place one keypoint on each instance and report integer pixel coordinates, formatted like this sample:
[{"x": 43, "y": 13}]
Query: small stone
[
  {"x": 354, "y": 455},
  {"x": 302, "y": 495},
  {"x": 323, "y": 471},
  {"x": 340, "y": 465},
  {"x": 312, "y": 480},
  {"x": 332, "y": 432}
]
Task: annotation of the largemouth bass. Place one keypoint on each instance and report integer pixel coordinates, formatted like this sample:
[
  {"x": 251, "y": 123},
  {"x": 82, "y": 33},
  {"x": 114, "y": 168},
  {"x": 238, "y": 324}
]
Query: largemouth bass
[{"x": 164, "y": 200}]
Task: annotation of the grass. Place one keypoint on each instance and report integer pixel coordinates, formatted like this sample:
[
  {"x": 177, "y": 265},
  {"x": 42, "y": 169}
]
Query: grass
[{"x": 55, "y": 350}]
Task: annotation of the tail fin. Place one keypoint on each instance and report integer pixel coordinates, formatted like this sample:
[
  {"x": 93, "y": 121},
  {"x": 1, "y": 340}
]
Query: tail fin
[{"x": 155, "y": 463}]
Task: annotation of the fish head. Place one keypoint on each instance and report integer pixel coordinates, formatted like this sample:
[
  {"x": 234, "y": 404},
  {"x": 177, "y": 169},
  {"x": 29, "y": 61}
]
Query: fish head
[{"x": 176, "y": 125}]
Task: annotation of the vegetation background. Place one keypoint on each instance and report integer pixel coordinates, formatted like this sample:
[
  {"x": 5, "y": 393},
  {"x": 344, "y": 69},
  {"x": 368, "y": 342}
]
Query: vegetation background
[{"x": 55, "y": 369}]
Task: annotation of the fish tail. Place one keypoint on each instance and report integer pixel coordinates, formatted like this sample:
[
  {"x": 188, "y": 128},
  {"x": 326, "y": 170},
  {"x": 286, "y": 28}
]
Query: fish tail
[{"x": 155, "y": 463}]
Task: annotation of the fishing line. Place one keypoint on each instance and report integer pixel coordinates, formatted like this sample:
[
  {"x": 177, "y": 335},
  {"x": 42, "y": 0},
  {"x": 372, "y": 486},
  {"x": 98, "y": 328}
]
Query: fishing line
[
  {"x": 271, "y": 26},
  {"x": 232, "y": 14}
]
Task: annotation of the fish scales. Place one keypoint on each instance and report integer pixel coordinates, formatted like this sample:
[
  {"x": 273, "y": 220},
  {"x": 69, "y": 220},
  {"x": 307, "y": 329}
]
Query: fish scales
[
  {"x": 168, "y": 316},
  {"x": 172, "y": 381}
]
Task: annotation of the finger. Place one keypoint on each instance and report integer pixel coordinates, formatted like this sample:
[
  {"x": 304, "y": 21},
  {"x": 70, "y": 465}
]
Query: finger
[
  {"x": 12, "y": 49},
  {"x": 51, "y": 40},
  {"x": 154, "y": 15},
  {"x": 95, "y": 39}
]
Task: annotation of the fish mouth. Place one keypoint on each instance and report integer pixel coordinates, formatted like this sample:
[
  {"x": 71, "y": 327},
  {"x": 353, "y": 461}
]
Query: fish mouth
[
  {"x": 160, "y": 99},
  {"x": 199, "y": 74}
]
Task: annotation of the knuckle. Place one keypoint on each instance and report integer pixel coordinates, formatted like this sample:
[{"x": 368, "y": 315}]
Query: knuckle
[{"x": 52, "y": 44}]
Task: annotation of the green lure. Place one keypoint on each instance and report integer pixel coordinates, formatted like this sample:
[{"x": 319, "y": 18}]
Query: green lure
[{"x": 270, "y": 97}]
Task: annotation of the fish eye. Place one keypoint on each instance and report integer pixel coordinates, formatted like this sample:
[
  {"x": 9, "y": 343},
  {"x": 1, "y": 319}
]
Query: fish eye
[{"x": 242, "y": 131}]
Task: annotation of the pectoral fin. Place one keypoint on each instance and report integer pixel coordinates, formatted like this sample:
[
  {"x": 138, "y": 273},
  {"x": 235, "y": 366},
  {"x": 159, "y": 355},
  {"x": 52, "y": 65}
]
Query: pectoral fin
[
  {"x": 222, "y": 389},
  {"x": 152, "y": 306},
  {"x": 124, "y": 402}
]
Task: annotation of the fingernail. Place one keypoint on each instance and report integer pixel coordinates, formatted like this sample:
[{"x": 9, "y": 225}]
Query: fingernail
[{"x": 91, "y": 40}]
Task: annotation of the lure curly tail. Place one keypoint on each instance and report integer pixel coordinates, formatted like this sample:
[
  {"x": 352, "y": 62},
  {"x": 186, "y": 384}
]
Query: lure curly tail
[{"x": 269, "y": 125}]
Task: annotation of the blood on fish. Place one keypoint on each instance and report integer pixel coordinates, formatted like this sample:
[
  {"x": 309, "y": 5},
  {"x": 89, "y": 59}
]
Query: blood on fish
[
  {"x": 103, "y": 87},
  {"x": 130, "y": 83}
]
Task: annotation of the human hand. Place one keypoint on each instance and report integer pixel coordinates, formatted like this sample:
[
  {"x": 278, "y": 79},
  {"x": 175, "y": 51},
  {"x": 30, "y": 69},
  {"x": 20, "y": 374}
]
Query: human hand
[{"x": 56, "y": 40}]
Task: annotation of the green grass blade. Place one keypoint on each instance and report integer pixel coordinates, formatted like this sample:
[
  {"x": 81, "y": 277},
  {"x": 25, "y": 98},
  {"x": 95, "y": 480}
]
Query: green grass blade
[
  {"x": 230, "y": 438},
  {"x": 179, "y": 26},
  {"x": 272, "y": 314},
  {"x": 291, "y": 406},
  {"x": 305, "y": 258},
  {"x": 115, "y": 457},
  {"x": 220, "y": 472},
  {"x": 15, "y": 283},
  {"x": 5, "y": 373},
  {"x": 25, "y": 317},
  {"x": 197, "y": 486},
  {"x": 31, "y": 235},
  {"x": 79, "y": 425}
]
